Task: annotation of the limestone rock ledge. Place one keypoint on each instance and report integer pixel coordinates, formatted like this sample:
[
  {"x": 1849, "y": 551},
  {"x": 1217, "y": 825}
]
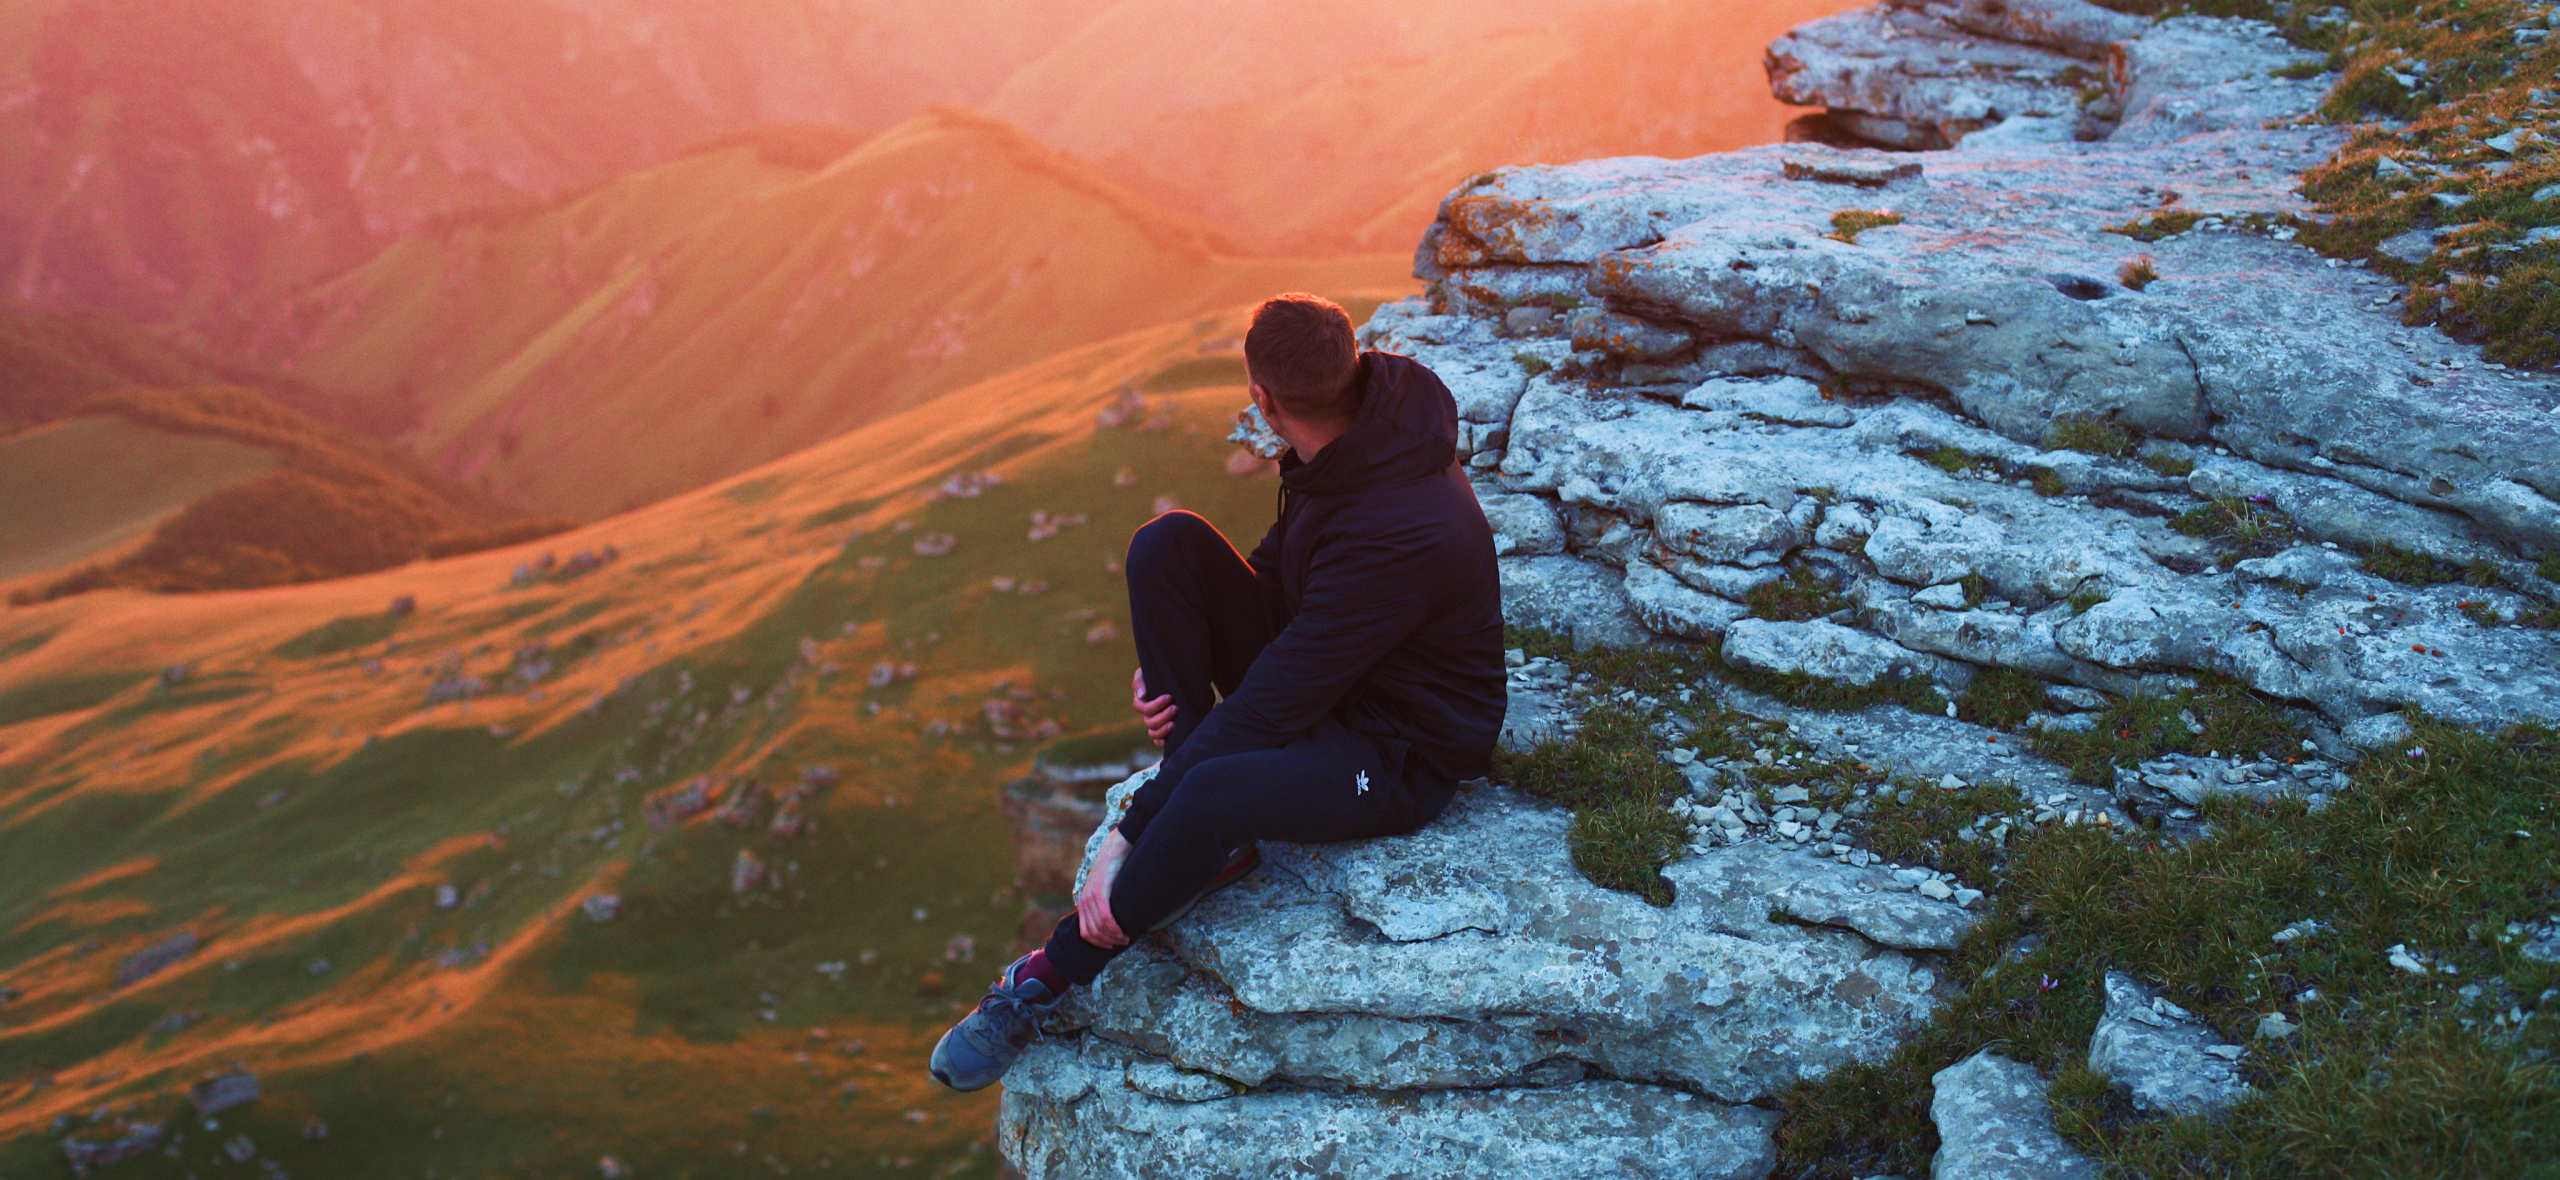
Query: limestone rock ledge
[
  {"x": 1678, "y": 382},
  {"x": 1463, "y": 1002}
]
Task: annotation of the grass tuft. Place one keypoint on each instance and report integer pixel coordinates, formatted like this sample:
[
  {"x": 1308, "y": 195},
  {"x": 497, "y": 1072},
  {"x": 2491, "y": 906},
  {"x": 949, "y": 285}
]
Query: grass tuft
[
  {"x": 1803, "y": 595},
  {"x": 2001, "y": 698},
  {"x": 2095, "y": 436},
  {"x": 2246, "y": 528},
  {"x": 2219, "y": 714},
  {"x": 2139, "y": 273},
  {"x": 2170, "y": 465},
  {"x": 1847, "y": 224},
  {"x": 2549, "y": 566},
  {"x": 2086, "y": 597},
  {"x": 2047, "y": 484},
  {"x": 2387, "y": 560},
  {"x": 1954, "y": 459}
]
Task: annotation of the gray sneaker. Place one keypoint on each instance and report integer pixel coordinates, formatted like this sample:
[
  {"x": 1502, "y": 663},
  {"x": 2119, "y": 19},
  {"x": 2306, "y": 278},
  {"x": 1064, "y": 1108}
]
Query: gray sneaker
[{"x": 978, "y": 1050}]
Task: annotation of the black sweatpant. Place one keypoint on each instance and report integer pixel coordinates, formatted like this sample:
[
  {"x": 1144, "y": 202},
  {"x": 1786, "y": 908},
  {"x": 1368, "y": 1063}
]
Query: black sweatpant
[{"x": 1200, "y": 616}]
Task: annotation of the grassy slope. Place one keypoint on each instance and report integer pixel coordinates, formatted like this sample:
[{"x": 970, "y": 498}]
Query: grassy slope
[
  {"x": 752, "y": 298},
  {"x": 294, "y": 801},
  {"x": 81, "y": 487}
]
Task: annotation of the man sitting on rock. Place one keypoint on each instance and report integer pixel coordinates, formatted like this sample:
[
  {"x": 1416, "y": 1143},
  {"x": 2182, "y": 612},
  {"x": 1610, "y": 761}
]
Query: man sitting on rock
[{"x": 1336, "y": 685}]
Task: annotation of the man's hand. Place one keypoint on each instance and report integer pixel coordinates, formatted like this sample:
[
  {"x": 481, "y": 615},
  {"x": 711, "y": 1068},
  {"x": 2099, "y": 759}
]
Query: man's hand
[
  {"x": 1093, "y": 905},
  {"x": 1157, "y": 713}
]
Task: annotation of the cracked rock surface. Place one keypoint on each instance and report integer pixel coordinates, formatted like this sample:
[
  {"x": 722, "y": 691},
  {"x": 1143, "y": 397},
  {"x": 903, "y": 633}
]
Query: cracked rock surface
[
  {"x": 1468, "y": 977},
  {"x": 1739, "y": 394}
]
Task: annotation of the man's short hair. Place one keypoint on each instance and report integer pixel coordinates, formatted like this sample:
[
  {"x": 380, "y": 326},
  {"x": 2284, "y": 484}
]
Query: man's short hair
[{"x": 1300, "y": 349}]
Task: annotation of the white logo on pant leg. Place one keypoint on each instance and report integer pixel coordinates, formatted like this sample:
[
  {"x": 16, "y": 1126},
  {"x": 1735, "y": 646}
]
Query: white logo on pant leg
[{"x": 1363, "y": 783}]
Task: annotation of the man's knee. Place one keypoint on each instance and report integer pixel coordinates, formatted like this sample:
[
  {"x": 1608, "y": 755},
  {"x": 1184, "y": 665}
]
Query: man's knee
[
  {"x": 1164, "y": 542},
  {"x": 1211, "y": 799}
]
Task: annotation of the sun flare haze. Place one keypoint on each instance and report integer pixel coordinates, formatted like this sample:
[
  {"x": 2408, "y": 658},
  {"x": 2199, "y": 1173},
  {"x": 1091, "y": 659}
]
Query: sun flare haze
[{"x": 569, "y": 577}]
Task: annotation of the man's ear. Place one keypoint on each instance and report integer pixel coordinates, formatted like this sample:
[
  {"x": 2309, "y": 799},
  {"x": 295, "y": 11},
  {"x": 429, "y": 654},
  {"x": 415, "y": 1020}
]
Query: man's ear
[{"x": 1262, "y": 399}]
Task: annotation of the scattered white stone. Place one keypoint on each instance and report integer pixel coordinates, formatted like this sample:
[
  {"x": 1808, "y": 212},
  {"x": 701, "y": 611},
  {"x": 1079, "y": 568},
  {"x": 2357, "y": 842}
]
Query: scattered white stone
[
  {"x": 2300, "y": 930},
  {"x": 1937, "y": 890},
  {"x": 2274, "y": 1027}
]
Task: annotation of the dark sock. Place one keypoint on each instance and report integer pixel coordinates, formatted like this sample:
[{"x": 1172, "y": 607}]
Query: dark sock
[{"x": 1039, "y": 967}]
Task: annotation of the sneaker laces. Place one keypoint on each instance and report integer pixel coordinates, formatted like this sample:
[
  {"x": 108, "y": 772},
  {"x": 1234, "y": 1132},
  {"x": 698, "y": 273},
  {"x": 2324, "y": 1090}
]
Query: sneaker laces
[{"x": 1011, "y": 1010}]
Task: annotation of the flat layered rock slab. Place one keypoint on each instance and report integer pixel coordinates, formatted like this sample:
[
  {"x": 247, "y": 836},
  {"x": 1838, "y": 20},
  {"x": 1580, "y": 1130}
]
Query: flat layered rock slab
[
  {"x": 1089, "y": 1111},
  {"x": 1471, "y": 953}
]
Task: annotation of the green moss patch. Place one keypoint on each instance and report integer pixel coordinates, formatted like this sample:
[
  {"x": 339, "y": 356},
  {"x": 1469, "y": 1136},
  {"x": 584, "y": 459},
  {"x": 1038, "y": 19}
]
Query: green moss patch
[{"x": 1847, "y": 224}]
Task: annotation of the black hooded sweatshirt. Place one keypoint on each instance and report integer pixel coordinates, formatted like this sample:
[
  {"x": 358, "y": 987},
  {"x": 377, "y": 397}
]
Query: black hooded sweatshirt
[{"x": 1391, "y": 601}]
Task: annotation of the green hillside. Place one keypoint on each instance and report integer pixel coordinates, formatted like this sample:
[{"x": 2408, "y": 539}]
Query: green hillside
[{"x": 295, "y": 802}]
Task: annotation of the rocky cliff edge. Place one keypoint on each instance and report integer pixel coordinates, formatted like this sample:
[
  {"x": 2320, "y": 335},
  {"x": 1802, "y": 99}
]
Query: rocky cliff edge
[{"x": 2059, "y": 396}]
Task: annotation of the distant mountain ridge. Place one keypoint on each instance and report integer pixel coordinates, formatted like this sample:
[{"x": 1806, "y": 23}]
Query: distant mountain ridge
[
  {"x": 683, "y": 323},
  {"x": 270, "y": 143}
]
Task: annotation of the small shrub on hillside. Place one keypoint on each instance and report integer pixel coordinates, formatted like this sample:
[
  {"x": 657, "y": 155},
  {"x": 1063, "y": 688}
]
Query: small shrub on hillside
[
  {"x": 2139, "y": 273},
  {"x": 2095, "y": 436},
  {"x": 1847, "y": 224}
]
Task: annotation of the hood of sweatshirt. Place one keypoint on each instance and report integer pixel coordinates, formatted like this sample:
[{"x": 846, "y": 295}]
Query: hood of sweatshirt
[{"x": 1407, "y": 429}]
